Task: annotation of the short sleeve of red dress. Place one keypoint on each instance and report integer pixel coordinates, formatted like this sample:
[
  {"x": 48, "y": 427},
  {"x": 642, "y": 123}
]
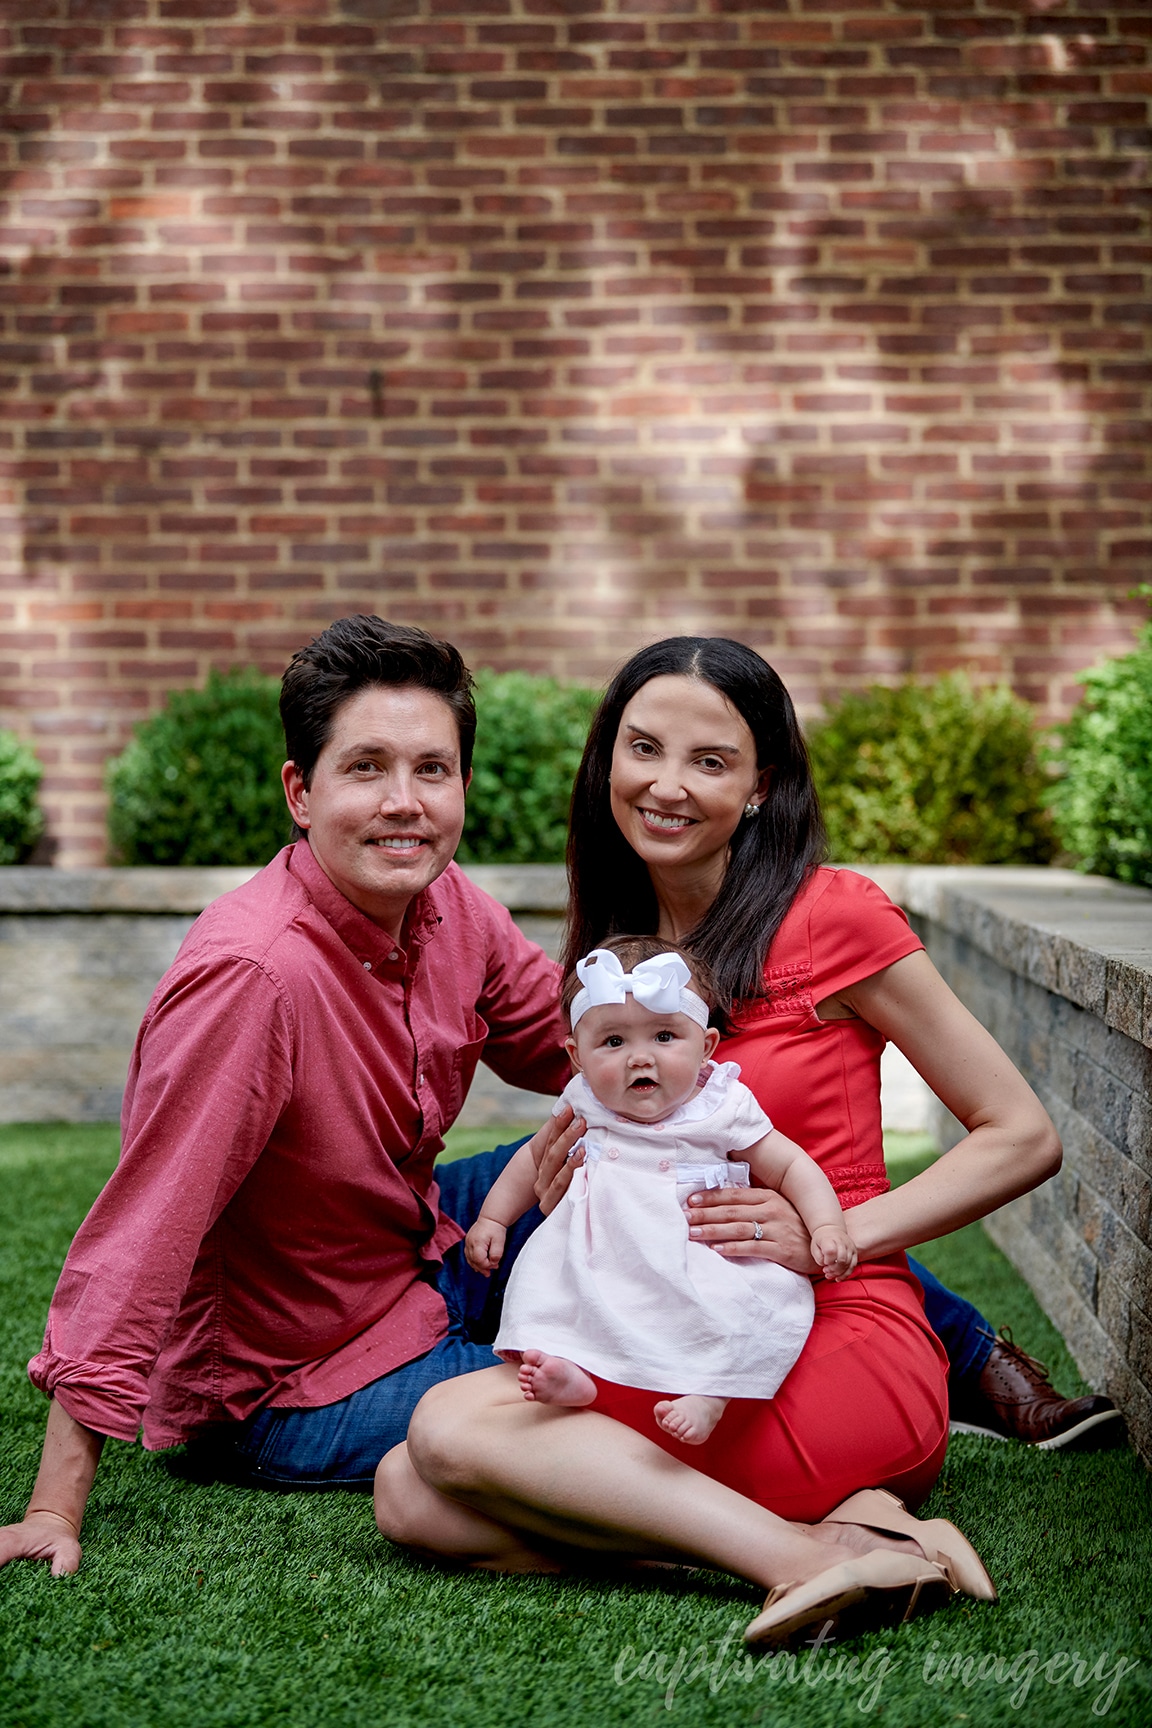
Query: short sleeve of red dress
[{"x": 819, "y": 1080}]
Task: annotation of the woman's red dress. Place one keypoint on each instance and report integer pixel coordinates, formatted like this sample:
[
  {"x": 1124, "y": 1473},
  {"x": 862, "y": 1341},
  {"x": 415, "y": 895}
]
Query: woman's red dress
[{"x": 866, "y": 1406}]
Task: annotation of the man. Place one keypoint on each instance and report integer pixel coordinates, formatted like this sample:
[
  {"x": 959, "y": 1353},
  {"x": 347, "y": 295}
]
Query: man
[{"x": 272, "y": 1272}]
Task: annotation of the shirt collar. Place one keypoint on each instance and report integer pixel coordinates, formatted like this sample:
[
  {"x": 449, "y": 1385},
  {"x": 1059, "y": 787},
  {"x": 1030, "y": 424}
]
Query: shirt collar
[{"x": 366, "y": 940}]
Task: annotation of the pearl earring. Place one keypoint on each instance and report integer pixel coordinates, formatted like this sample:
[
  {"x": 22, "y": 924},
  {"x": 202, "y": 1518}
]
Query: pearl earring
[{"x": 751, "y": 809}]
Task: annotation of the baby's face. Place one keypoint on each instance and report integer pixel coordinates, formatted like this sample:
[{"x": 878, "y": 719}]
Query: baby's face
[{"x": 639, "y": 1064}]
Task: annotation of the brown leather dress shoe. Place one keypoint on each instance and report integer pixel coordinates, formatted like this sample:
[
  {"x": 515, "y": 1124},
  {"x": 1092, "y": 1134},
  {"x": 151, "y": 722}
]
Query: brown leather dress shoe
[{"x": 1013, "y": 1399}]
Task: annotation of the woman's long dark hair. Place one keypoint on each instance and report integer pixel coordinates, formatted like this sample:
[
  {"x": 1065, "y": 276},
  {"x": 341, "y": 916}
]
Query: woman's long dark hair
[{"x": 772, "y": 854}]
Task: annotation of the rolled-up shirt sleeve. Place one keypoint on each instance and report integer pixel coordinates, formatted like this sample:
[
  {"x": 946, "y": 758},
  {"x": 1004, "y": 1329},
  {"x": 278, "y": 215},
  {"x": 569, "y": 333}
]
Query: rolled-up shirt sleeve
[{"x": 210, "y": 1075}]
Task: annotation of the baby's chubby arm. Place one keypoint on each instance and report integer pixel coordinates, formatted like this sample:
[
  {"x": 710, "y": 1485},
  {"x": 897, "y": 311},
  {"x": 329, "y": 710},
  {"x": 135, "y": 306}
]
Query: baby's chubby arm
[
  {"x": 509, "y": 1197},
  {"x": 779, "y": 1163}
]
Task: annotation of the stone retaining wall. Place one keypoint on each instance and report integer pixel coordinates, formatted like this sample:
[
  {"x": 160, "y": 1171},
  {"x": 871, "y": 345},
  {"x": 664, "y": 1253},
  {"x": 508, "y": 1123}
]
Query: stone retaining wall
[
  {"x": 81, "y": 952},
  {"x": 1059, "y": 968}
]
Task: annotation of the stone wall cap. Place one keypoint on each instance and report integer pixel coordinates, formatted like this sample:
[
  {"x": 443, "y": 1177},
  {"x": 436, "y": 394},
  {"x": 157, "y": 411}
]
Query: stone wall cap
[
  {"x": 523, "y": 887},
  {"x": 27, "y": 888},
  {"x": 1084, "y": 937},
  {"x": 146, "y": 888}
]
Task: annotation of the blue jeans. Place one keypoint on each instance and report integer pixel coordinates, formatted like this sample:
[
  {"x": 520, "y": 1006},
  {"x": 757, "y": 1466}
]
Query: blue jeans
[
  {"x": 960, "y": 1327},
  {"x": 339, "y": 1445}
]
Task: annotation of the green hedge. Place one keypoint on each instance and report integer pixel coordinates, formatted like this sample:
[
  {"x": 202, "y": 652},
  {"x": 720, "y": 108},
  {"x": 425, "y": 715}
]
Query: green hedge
[
  {"x": 940, "y": 773},
  {"x": 200, "y": 781},
  {"x": 1103, "y": 799},
  {"x": 21, "y": 819},
  {"x": 529, "y": 740}
]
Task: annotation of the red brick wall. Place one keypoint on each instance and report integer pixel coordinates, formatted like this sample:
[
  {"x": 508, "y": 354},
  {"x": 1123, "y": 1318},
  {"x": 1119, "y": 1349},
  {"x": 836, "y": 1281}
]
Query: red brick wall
[{"x": 559, "y": 324}]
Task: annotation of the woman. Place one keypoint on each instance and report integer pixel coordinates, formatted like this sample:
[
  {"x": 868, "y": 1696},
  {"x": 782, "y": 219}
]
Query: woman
[{"x": 694, "y": 818}]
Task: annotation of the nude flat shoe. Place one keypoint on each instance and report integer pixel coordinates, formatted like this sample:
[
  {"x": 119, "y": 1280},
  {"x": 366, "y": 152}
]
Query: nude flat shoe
[
  {"x": 863, "y": 1594},
  {"x": 941, "y": 1541}
]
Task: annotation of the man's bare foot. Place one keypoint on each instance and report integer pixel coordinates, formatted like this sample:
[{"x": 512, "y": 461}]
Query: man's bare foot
[
  {"x": 554, "y": 1380},
  {"x": 690, "y": 1419}
]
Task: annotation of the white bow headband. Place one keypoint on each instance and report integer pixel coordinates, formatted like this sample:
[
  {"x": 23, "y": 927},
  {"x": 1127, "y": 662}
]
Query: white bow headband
[{"x": 658, "y": 985}]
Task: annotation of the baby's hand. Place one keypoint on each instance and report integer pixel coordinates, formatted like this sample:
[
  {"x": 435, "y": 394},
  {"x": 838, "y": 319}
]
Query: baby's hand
[
  {"x": 835, "y": 1250},
  {"x": 484, "y": 1245}
]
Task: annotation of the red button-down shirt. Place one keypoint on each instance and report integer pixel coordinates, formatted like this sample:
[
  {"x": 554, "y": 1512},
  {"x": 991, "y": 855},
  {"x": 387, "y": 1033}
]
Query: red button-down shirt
[{"x": 271, "y": 1232}]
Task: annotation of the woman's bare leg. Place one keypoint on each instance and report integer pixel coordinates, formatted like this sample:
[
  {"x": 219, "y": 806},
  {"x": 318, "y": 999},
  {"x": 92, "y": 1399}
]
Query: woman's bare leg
[
  {"x": 411, "y": 1513},
  {"x": 582, "y": 1480}
]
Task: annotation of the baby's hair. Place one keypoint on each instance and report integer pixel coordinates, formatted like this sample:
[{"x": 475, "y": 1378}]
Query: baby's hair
[{"x": 630, "y": 951}]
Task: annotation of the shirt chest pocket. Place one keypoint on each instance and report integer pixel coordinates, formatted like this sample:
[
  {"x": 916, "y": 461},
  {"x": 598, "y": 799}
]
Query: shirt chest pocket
[{"x": 454, "y": 1070}]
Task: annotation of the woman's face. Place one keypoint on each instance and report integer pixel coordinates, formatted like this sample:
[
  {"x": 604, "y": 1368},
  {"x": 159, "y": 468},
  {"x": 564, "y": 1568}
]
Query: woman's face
[{"x": 683, "y": 768}]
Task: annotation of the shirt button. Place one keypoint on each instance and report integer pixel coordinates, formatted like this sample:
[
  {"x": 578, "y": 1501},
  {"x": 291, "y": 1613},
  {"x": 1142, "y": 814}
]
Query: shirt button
[
  {"x": 613, "y": 1152},
  {"x": 665, "y": 1164},
  {"x": 367, "y": 965},
  {"x": 395, "y": 954},
  {"x": 659, "y": 1127}
]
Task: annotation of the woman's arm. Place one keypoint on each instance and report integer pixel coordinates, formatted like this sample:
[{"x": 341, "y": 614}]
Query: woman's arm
[
  {"x": 557, "y": 1154},
  {"x": 1011, "y": 1145},
  {"x": 50, "y": 1529}
]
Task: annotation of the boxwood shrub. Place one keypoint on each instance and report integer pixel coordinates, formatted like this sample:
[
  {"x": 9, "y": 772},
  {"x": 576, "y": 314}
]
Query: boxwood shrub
[
  {"x": 940, "y": 773},
  {"x": 1103, "y": 798},
  {"x": 529, "y": 739},
  {"x": 21, "y": 819},
  {"x": 199, "y": 783}
]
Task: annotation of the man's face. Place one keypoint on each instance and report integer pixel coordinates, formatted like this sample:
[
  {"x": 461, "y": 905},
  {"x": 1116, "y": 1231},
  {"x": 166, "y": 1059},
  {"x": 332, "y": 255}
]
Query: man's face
[{"x": 385, "y": 808}]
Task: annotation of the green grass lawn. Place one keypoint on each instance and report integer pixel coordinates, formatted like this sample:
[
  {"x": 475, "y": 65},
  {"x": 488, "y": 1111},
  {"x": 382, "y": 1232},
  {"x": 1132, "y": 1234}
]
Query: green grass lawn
[{"x": 200, "y": 1607}]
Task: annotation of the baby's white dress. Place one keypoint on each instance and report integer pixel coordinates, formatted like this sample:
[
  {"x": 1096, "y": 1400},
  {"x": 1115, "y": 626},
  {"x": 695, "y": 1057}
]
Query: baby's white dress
[{"x": 611, "y": 1281}]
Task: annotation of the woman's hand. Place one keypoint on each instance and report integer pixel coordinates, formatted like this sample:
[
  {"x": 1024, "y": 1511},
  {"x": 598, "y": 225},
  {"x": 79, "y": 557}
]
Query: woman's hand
[
  {"x": 1012, "y": 1145},
  {"x": 550, "y": 1147},
  {"x": 727, "y": 1219}
]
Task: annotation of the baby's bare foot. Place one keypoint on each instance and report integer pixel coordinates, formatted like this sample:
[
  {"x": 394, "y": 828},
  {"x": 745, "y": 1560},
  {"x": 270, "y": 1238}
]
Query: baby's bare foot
[
  {"x": 690, "y": 1419},
  {"x": 554, "y": 1380}
]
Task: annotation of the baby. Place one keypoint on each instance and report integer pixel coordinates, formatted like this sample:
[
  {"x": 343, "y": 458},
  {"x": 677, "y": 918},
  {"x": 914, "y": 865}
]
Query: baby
[{"x": 611, "y": 1284}]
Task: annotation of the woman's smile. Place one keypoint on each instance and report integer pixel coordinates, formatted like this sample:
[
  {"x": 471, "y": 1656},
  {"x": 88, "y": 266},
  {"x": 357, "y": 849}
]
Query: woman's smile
[{"x": 665, "y": 824}]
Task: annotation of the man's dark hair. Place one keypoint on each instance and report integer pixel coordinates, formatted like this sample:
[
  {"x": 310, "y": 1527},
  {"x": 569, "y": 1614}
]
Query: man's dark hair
[{"x": 352, "y": 655}]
